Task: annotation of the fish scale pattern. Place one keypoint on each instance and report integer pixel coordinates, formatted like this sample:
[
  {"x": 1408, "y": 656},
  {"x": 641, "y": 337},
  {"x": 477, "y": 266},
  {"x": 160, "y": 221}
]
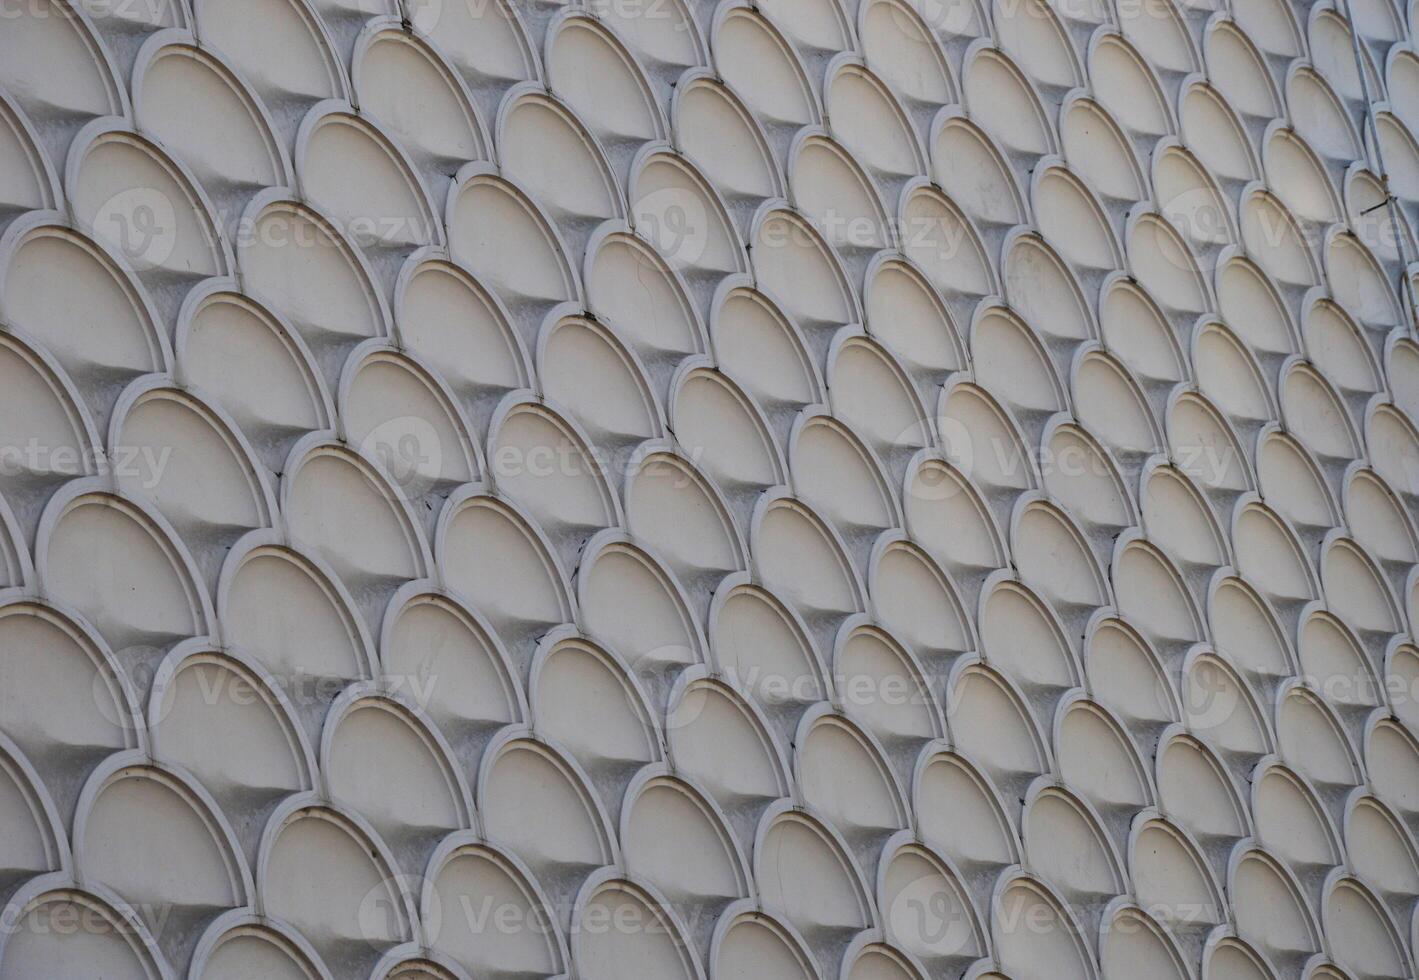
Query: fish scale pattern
[{"x": 863, "y": 489}]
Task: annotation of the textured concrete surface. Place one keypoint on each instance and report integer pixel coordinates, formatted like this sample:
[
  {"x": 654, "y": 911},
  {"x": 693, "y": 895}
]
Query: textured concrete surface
[{"x": 650, "y": 489}]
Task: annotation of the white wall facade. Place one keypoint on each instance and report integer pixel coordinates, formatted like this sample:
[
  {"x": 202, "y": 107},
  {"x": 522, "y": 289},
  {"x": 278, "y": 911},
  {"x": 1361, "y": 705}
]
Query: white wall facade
[{"x": 651, "y": 489}]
